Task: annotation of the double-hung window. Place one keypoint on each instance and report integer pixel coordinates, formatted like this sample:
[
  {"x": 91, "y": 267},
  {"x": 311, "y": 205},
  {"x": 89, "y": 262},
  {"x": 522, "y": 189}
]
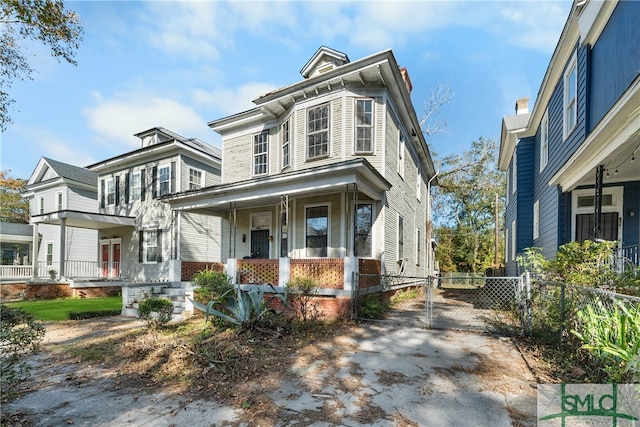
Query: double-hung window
[
  {"x": 536, "y": 219},
  {"x": 150, "y": 246},
  {"x": 400, "y": 237},
  {"x": 135, "y": 186},
  {"x": 318, "y": 132},
  {"x": 164, "y": 180},
  {"x": 195, "y": 178},
  {"x": 544, "y": 141},
  {"x": 260, "y": 153},
  {"x": 363, "y": 227},
  {"x": 286, "y": 157},
  {"x": 59, "y": 200},
  {"x": 419, "y": 185},
  {"x": 49, "y": 253},
  {"x": 110, "y": 188},
  {"x": 570, "y": 112},
  {"x": 41, "y": 205},
  {"x": 400, "y": 162},
  {"x": 317, "y": 231},
  {"x": 364, "y": 125}
]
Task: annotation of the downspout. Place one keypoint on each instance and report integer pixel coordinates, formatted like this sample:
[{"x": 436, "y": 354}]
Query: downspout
[{"x": 431, "y": 255}]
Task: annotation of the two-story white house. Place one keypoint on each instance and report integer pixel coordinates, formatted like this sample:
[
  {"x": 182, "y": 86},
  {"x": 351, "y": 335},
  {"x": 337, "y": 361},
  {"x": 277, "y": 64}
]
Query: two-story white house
[
  {"x": 105, "y": 221},
  {"x": 331, "y": 169}
]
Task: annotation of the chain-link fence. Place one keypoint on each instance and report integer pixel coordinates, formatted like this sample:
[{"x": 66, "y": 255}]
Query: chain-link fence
[
  {"x": 557, "y": 309},
  {"x": 475, "y": 302}
]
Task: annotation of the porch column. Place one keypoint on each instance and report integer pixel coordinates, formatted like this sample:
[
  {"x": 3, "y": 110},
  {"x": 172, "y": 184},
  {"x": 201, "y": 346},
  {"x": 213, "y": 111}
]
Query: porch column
[
  {"x": 63, "y": 233},
  {"x": 34, "y": 252},
  {"x": 350, "y": 267},
  {"x": 231, "y": 269},
  {"x": 284, "y": 271}
]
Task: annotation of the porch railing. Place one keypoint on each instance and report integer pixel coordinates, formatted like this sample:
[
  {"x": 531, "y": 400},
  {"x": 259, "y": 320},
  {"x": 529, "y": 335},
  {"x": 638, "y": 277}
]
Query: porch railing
[{"x": 15, "y": 271}]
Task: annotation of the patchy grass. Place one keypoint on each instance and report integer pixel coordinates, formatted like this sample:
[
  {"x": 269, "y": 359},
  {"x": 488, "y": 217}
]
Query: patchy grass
[{"x": 59, "y": 309}]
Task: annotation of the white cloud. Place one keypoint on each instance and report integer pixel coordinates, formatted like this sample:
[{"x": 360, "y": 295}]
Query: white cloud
[
  {"x": 232, "y": 100},
  {"x": 535, "y": 25},
  {"x": 56, "y": 147},
  {"x": 116, "y": 120}
]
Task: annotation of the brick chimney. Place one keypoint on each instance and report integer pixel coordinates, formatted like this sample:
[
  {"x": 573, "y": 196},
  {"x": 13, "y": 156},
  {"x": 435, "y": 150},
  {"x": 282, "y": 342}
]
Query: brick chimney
[
  {"x": 405, "y": 77},
  {"x": 522, "y": 106}
]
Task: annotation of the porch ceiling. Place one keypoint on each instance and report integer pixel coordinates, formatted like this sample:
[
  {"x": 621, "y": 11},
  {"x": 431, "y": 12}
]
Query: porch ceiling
[
  {"x": 267, "y": 191},
  {"x": 614, "y": 143},
  {"x": 90, "y": 220}
]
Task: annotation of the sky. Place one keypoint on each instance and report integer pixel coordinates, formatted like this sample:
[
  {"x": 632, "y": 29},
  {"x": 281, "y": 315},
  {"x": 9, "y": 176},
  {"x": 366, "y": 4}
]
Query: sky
[{"x": 180, "y": 65}]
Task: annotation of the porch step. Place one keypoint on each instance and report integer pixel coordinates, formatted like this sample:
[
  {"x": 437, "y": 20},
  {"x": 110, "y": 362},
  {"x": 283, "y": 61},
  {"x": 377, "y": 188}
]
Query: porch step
[{"x": 173, "y": 292}]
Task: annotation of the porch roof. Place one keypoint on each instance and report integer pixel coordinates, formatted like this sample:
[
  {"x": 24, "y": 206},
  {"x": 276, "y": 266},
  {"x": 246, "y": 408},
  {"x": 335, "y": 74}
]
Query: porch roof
[
  {"x": 90, "y": 220},
  {"x": 268, "y": 190}
]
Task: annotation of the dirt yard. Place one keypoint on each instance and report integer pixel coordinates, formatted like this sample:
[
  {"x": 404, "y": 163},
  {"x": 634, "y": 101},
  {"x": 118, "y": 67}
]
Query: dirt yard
[{"x": 382, "y": 373}]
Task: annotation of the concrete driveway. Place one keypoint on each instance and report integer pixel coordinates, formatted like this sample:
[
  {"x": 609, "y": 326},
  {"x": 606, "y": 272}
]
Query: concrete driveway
[{"x": 385, "y": 374}]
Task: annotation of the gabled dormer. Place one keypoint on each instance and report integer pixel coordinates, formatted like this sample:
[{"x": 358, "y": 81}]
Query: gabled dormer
[
  {"x": 157, "y": 135},
  {"x": 325, "y": 59}
]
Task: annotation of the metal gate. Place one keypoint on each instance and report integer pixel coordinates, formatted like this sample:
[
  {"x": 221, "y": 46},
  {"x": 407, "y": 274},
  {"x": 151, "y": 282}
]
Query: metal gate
[
  {"x": 459, "y": 302},
  {"x": 477, "y": 303}
]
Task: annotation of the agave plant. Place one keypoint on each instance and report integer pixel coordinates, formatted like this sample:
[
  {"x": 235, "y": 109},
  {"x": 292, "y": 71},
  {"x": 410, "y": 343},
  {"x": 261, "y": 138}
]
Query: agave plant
[{"x": 246, "y": 308}]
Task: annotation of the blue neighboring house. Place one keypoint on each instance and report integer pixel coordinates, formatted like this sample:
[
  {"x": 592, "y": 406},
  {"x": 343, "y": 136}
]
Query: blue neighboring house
[{"x": 573, "y": 161}]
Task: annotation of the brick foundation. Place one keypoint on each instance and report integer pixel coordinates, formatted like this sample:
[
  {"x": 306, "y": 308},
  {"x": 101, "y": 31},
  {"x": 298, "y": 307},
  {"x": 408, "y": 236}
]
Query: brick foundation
[{"x": 21, "y": 291}]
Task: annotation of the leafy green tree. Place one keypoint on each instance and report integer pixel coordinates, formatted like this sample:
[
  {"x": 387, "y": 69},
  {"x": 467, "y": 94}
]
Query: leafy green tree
[
  {"x": 464, "y": 208},
  {"x": 46, "y": 21},
  {"x": 13, "y": 207}
]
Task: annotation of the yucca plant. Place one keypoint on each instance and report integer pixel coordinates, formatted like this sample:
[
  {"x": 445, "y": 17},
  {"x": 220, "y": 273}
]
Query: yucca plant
[{"x": 246, "y": 308}]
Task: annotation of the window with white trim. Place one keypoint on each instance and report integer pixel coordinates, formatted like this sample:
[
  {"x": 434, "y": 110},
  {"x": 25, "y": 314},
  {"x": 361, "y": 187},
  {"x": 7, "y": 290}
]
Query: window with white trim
[
  {"x": 41, "y": 205},
  {"x": 135, "y": 186},
  {"x": 544, "y": 141},
  {"x": 419, "y": 185},
  {"x": 260, "y": 153},
  {"x": 318, "y": 132},
  {"x": 164, "y": 180},
  {"x": 59, "y": 200},
  {"x": 364, "y": 125},
  {"x": 570, "y": 105},
  {"x": 285, "y": 135},
  {"x": 196, "y": 178},
  {"x": 513, "y": 240},
  {"x": 317, "y": 230},
  {"x": 400, "y": 236},
  {"x": 363, "y": 227},
  {"x": 49, "y": 253},
  {"x": 401, "y": 146},
  {"x": 150, "y": 246},
  {"x": 110, "y": 189},
  {"x": 418, "y": 247},
  {"x": 514, "y": 174},
  {"x": 536, "y": 219}
]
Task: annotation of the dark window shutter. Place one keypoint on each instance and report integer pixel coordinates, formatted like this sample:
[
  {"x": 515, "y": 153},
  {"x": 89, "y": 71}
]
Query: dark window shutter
[
  {"x": 126, "y": 188},
  {"x": 143, "y": 185},
  {"x": 154, "y": 182},
  {"x": 159, "y": 258},
  {"x": 173, "y": 177},
  {"x": 140, "y": 246},
  {"x": 102, "y": 194},
  {"x": 117, "y": 190}
]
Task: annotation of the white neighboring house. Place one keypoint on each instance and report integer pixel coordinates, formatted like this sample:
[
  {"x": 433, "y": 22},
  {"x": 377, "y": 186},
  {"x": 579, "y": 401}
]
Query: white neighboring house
[
  {"x": 56, "y": 190},
  {"x": 106, "y": 222}
]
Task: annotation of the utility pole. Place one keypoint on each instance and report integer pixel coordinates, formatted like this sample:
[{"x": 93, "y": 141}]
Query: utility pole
[{"x": 495, "y": 259}]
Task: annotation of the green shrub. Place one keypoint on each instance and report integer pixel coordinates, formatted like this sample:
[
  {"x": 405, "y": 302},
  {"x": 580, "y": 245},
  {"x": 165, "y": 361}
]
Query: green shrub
[
  {"x": 373, "y": 306},
  {"x": 211, "y": 285},
  {"x": 156, "y": 312},
  {"x": 303, "y": 291},
  {"x": 20, "y": 335},
  {"x": 80, "y": 315}
]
